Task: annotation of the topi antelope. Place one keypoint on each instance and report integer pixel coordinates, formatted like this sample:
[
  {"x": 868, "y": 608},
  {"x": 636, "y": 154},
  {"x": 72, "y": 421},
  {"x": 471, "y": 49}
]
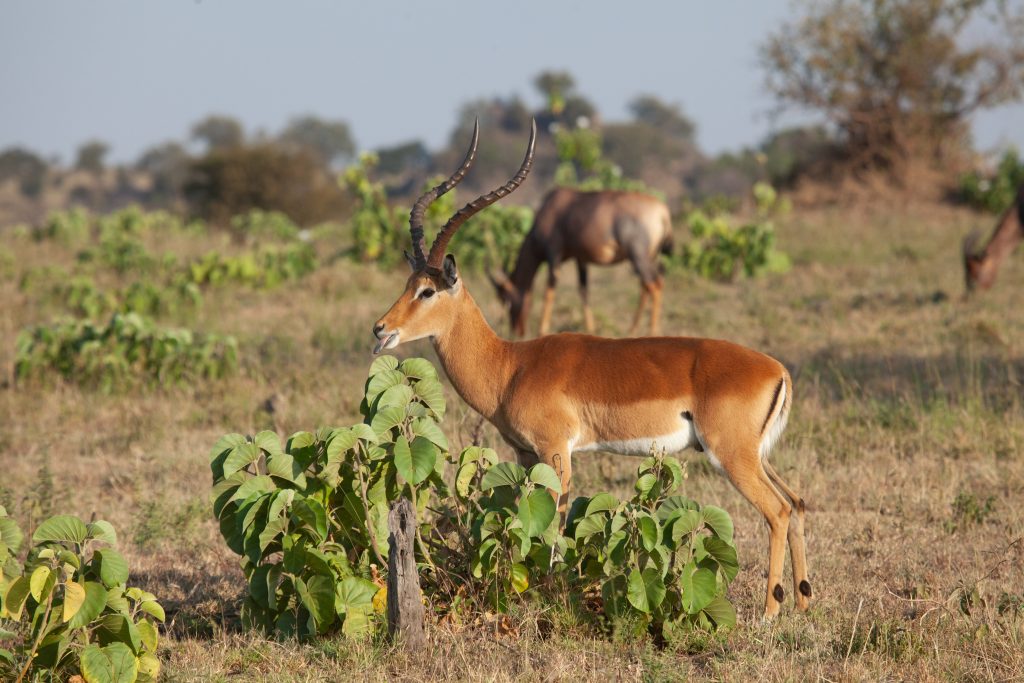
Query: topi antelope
[
  {"x": 556, "y": 395},
  {"x": 602, "y": 228},
  {"x": 981, "y": 266}
]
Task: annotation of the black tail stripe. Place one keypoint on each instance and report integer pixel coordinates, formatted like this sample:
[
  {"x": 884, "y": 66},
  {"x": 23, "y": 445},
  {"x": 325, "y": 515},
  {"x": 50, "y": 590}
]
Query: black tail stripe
[{"x": 771, "y": 409}]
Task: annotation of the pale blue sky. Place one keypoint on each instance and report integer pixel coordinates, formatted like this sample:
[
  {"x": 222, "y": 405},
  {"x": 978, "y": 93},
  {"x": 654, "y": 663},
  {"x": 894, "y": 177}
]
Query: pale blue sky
[{"x": 135, "y": 73}]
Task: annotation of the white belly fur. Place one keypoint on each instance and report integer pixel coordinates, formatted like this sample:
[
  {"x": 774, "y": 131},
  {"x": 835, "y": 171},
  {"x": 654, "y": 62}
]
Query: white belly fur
[{"x": 670, "y": 443}]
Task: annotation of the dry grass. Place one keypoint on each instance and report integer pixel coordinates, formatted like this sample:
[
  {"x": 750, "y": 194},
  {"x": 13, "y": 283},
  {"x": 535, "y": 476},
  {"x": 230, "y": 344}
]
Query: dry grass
[{"x": 906, "y": 440}]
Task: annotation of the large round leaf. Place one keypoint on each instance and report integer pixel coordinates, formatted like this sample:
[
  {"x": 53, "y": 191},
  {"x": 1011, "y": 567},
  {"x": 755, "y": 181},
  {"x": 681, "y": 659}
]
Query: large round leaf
[
  {"x": 645, "y": 590},
  {"x": 61, "y": 528},
  {"x": 545, "y": 475},
  {"x": 649, "y": 532},
  {"x": 74, "y": 597},
  {"x": 536, "y": 511},
  {"x": 503, "y": 474},
  {"x": 601, "y": 502},
  {"x": 415, "y": 461},
  {"x": 721, "y": 612},
  {"x": 354, "y": 593},
  {"x": 95, "y": 601},
  {"x": 719, "y": 521},
  {"x": 114, "y": 663},
  {"x": 698, "y": 587},
  {"x": 113, "y": 568}
]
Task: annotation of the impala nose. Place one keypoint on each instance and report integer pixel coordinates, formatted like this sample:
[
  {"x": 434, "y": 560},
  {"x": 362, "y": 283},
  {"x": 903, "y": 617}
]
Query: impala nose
[{"x": 378, "y": 328}]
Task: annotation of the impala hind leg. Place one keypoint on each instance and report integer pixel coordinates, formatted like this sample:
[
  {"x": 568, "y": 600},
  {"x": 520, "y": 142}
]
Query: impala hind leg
[
  {"x": 797, "y": 544},
  {"x": 749, "y": 477}
]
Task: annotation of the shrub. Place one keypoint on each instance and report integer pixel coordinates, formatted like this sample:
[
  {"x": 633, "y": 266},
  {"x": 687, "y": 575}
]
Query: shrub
[
  {"x": 310, "y": 520},
  {"x": 994, "y": 193},
  {"x": 69, "y": 609},
  {"x": 258, "y": 224},
  {"x": 67, "y": 227},
  {"x": 266, "y": 267},
  {"x": 127, "y": 349},
  {"x": 721, "y": 252},
  {"x": 377, "y": 228}
]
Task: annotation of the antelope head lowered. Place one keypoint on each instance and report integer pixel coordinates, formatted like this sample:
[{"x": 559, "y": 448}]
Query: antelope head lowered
[{"x": 565, "y": 394}]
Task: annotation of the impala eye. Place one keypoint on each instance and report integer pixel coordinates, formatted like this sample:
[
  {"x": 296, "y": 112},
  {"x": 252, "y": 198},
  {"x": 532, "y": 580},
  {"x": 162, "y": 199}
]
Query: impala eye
[{"x": 427, "y": 293}]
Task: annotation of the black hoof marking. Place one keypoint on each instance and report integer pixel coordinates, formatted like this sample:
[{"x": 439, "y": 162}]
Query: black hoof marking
[
  {"x": 805, "y": 588},
  {"x": 778, "y": 593}
]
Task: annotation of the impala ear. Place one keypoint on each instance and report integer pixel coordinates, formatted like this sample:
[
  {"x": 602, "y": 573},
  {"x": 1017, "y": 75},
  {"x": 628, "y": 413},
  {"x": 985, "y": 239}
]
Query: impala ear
[{"x": 449, "y": 271}]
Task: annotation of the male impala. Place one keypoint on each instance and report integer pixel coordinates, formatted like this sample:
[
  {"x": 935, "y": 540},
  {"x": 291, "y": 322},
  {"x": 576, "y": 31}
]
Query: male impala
[
  {"x": 602, "y": 228},
  {"x": 566, "y": 393},
  {"x": 980, "y": 267}
]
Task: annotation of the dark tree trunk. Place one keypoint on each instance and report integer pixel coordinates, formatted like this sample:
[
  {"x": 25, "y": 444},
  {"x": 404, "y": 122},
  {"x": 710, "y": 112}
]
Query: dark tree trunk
[{"x": 405, "y": 601}]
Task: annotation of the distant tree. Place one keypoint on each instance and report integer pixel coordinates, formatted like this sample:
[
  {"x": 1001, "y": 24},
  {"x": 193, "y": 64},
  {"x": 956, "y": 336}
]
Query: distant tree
[
  {"x": 168, "y": 166},
  {"x": 897, "y": 78},
  {"x": 268, "y": 176},
  {"x": 218, "y": 132},
  {"x": 794, "y": 152},
  {"x": 667, "y": 118},
  {"x": 27, "y": 168},
  {"x": 91, "y": 155},
  {"x": 407, "y": 157},
  {"x": 556, "y": 87},
  {"x": 330, "y": 140}
]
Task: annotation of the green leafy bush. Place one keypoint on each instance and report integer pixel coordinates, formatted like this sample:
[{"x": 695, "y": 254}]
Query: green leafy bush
[
  {"x": 259, "y": 224},
  {"x": 721, "y": 252},
  {"x": 994, "y": 193},
  {"x": 310, "y": 521},
  {"x": 377, "y": 228},
  {"x": 127, "y": 349},
  {"x": 69, "y": 609},
  {"x": 267, "y": 267},
  {"x": 583, "y": 166},
  {"x": 67, "y": 227}
]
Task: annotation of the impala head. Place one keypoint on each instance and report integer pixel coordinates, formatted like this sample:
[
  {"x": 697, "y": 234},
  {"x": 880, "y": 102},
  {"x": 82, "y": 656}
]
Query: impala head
[
  {"x": 434, "y": 290},
  {"x": 515, "y": 300},
  {"x": 979, "y": 270}
]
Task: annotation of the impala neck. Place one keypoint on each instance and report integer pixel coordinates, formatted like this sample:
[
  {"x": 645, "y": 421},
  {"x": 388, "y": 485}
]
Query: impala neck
[{"x": 478, "y": 362}]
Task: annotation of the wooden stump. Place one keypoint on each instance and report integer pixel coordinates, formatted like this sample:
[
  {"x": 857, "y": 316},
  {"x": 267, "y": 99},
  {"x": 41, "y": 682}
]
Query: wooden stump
[{"x": 405, "y": 601}]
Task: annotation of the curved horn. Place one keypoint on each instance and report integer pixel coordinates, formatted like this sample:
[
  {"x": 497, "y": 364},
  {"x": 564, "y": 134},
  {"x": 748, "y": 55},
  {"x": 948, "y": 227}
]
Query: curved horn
[
  {"x": 437, "y": 250},
  {"x": 425, "y": 200}
]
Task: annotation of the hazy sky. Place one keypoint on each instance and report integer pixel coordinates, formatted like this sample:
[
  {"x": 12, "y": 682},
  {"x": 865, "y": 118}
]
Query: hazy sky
[{"x": 135, "y": 73}]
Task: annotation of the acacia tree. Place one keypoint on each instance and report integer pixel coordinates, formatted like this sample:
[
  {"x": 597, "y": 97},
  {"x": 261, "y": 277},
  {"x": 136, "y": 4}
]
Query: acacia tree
[
  {"x": 330, "y": 140},
  {"x": 898, "y": 78}
]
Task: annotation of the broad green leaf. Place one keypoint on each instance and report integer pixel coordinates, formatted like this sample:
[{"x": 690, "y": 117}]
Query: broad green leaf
[
  {"x": 102, "y": 530},
  {"x": 684, "y": 522},
  {"x": 67, "y": 528},
  {"x": 601, "y": 502},
  {"x": 382, "y": 363},
  {"x": 114, "y": 663},
  {"x": 655, "y": 587},
  {"x": 284, "y": 466},
  {"x": 149, "y": 668},
  {"x": 719, "y": 521},
  {"x": 536, "y": 511},
  {"x": 544, "y": 475},
  {"x": 428, "y": 429},
  {"x": 153, "y": 609},
  {"x": 673, "y": 503},
  {"x": 590, "y": 525},
  {"x": 381, "y": 382},
  {"x": 676, "y": 471},
  {"x": 118, "y": 628},
  {"x": 74, "y": 597},
  {"x": 420, "y": 368},
  {"x": 464, "y": 478},
  {"x": 430, "y": 392},
  {"x": 386, "y": 418},
  {"x": 649, "y": 532},
  {"x": 722, "y": 612},
  {"x": 317, "y": 595},
  {"x": 92, "y": 606},
  {"x": 365, "y": 432},
  {"x": 636, "y": 591},
  {"x": 398, "y": 395},
  {"x": 17, "y": 594},
  {"x": 113, "y": 568},
  {"x": 520, "y": 577},
  {"x": 11, "y": 535},
  {"x": 523, "y": 538},
  {"x": 503, "y": 474},
  {"x": 341, "y": 442},
  {"x": 698, "y": 587},
  {"x": 240, "y": 457},
  {"x": 268, "y": 441},
  {"x": 645, "y": 484},
  {"x": 37, "y": 582},
  {"x": 117, "y": 601},
  {"x": 260, "y": 484},
  {"x": 354, "y": 593},
  {"x": 724, "y": 554}
]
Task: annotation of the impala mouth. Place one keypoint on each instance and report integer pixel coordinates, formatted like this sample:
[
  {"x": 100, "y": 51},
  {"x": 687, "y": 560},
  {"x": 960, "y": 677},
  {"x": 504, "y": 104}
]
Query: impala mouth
[{"x": 388, "y": 341}]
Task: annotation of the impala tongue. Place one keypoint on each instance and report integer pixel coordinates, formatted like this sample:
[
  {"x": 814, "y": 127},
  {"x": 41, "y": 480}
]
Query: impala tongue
[{"x": 381, "y": 343}]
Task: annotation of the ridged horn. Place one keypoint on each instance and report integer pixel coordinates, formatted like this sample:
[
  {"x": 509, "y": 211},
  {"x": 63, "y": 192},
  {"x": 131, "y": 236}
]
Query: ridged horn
[
  {"x": 440, "y": 245},
  {"x": 419, "y": 209}
]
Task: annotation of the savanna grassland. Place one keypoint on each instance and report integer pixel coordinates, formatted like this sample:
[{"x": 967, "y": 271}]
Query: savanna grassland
[{"x": 906, "y": 440}]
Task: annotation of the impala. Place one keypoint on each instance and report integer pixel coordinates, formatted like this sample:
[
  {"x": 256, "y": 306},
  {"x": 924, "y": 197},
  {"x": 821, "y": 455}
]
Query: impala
[
  {"x": 557, "y": 395},
  {"x": 602, "y": 228},
  {"x": 981, "y": 266}
]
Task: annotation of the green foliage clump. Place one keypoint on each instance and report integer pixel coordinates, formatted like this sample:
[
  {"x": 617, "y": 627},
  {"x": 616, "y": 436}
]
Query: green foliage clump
[
  {"x": 583, "y": 166},
  {"x": 81, "y": 297},
  {"x": 68, "y": 610},
  {"x": 492, "y": 237},
  {"x": 659, "y": 558},
  {"x": 994, "y": 193},
  {"x": 120, "y": 252},
  {"x": 721, "y": 252},
  {"x": 67, "y": 227},
  {"x": 265, "y": 268},
  {"x": 258, "y": 224},
  {"x": 310, "y": 521},
  {"x": 127, "y": 349},
  {"x": 377, "y": 228}
]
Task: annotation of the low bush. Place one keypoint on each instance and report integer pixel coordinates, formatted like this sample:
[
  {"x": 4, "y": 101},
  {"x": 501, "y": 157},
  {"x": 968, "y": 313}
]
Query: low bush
[
  {"x": 265, "y": 268},
  {"x": 994, "y": 193},
  {"x": 126, "y": 350},
  {"x": 68, "y": 609},
  {"x": 309, "y": 519}
]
